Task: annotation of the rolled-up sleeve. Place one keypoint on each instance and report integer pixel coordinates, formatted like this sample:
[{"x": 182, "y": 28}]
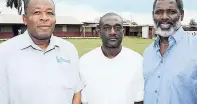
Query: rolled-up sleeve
[
  {"x": 3, "y": 81},
  {"x": 79, "y": 80},
  {"x": 80, "y": 84}
]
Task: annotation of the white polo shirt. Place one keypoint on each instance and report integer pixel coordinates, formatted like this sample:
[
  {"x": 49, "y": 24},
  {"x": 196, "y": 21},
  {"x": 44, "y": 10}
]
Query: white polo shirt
[
  {"x": 112, "y": 81},
  {"x": 29, "y": 75}
]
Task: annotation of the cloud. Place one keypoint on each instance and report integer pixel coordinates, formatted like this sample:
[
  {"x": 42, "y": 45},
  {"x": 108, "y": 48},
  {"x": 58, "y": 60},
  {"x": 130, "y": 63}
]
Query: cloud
[
  {"x": 189, "y": 14},
  {"x": 81, "y": 12},
  {"x": 84, "y": 11},
  {"x": 140, "y": 18}
]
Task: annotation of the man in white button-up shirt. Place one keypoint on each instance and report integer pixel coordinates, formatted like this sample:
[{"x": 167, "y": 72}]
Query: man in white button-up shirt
[{"x": 37, "y": 67}]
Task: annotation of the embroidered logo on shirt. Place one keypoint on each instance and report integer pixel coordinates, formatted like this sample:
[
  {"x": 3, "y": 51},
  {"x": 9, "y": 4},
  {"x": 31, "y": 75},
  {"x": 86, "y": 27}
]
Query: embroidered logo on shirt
[{"x": 61, "y": 60}]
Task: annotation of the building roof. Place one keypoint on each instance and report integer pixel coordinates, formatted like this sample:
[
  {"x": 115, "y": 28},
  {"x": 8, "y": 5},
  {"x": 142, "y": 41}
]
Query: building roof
[
  {"x": 10, "y": 19},
  {"x": 67, "y": 20},
  {"x": 91, "y": 22},
  {"x": 17, "y": 19},
  {"x": 189, "y": 26}
]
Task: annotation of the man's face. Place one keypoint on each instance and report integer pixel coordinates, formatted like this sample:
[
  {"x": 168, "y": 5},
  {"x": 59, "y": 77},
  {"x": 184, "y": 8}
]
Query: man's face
[
  {"x": 40, "y": 19},
  {"x": 111, "y": 31},
  {"x": 167, "y": 17}
]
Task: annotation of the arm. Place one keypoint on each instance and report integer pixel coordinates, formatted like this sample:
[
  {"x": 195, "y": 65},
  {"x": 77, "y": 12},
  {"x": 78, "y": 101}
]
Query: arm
[
  {"x": 77, "y": 98},
  {"x": 82, "y": 74},
  {"x": 140, "y": 84},
  {"x": 79, "y": 82},
  {"x": 77, "y": 95}
]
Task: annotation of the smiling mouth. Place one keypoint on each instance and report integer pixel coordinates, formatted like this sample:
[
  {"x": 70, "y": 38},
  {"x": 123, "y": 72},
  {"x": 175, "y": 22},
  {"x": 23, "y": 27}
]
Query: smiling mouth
[
  {"x": 165, "y": 25},
  {"x": 44, "y": 27},
  {"x": 113, "y": 39}
]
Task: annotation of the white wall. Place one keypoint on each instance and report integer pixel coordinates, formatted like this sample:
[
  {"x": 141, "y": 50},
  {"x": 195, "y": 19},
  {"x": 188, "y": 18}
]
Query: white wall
[{"x": 145, "y": 32}]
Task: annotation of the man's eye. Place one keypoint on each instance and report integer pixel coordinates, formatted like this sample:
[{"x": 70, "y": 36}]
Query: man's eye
[
  {"x": 118, "y": 28},
  {"x": 158, "y": 12},
  {"x": 172, "y": 12},
  {"x": 50, "y": 13},
  {"x": 106, "y": 28},
  {"x": 37, "y": 12}
]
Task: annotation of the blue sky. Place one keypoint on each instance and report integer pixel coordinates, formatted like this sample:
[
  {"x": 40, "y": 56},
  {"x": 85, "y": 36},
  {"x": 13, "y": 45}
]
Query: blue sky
[{"x": 90, "y": 10}]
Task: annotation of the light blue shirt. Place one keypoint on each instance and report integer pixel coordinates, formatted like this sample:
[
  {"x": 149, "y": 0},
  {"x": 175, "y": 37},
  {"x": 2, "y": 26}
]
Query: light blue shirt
[
  {"x": 171, "y": 79},
  {"x": 30, "y": 75}
]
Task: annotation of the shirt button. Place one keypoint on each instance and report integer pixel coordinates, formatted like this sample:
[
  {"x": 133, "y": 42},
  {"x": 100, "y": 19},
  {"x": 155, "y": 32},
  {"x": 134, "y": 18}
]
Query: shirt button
[
  {"x": 155, "y": 91},
  {"x": 158, "y": 76},
  {"x": 162, "y": 61}
]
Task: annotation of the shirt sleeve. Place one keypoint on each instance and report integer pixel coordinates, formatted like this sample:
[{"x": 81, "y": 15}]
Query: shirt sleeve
[
  {"x": 139, "y": 83},
  {"x": 195, "y": 84},
  {"x": 193, "y": 79},
  {"x": 82, "y": 69},
  {"x": 79, "y": 81},
  {"x": 80, "y": 84},
  {"x": 3, "y": 81}
]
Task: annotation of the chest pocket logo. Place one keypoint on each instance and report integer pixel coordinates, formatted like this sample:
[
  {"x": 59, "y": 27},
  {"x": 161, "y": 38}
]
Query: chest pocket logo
[{"x": 62, "y": 60}]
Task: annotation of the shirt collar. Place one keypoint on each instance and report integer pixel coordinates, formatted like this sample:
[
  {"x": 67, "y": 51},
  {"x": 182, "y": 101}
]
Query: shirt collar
[
  {"x": 177, "y": 36},
  {"x": 28, "y": 42}
]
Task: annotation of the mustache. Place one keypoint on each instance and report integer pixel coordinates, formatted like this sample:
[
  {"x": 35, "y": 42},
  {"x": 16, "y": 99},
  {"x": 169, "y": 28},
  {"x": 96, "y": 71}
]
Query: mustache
[
  {"x": 168, "y": 22},
  {"x": 113, "y": 37},
  {"x": 44, "y": 25}
]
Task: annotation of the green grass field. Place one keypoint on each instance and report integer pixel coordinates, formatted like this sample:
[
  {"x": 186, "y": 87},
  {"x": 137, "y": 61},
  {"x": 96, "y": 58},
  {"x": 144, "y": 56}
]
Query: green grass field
[{"x": 85, "y": 45}]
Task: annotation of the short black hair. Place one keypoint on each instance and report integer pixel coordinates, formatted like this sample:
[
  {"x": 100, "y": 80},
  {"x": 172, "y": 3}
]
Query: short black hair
[
  {"x": 106, "y": 15},
  {"x": 179, "y": 5},
  {"x": 18, "y": 5},
  {"x": 26, "y": 2}
]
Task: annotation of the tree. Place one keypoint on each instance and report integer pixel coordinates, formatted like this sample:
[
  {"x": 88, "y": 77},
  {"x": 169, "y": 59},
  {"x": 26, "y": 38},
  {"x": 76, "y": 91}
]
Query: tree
[
  {"x": 17, "y": 4},
  {"x": 192, "y": 23},
  {"x": 129, "y": 22},
  {"x": 134, "y": 23}
]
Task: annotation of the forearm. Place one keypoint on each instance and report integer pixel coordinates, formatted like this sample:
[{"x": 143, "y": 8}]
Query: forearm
[{"x": 77, "y": 98}]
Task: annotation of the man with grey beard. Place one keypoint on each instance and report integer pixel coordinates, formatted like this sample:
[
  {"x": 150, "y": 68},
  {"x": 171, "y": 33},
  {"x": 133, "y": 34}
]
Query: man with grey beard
[{"x": 170, "y": 62}]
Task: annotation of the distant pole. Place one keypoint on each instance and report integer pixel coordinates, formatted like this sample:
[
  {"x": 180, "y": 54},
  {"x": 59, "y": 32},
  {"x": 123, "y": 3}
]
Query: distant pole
[{"x": 84, "y": 32}]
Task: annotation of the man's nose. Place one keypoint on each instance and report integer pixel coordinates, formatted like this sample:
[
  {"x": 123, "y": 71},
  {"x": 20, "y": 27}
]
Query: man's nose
[
  {"x": 44, "y": 17},
  {"x": 165, "y": 17},
  {"x": 112, "y": 31}
]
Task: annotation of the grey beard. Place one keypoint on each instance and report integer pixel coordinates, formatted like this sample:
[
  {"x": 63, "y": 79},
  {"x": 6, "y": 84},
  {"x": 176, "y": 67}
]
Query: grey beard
[{"x": 167, "y": 33}]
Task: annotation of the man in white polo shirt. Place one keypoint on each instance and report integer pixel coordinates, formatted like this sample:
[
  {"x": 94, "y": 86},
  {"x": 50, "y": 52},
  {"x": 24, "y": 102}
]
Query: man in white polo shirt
[
  {"x": 112, "y": 73},
  {"x": 37, "y": 67}
]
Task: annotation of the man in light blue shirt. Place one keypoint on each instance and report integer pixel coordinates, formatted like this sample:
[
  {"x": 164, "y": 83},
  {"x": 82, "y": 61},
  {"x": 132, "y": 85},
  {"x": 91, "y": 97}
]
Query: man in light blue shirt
[
  {"x": 170, "y": 62},
  {"x": 37, "y": 67}
]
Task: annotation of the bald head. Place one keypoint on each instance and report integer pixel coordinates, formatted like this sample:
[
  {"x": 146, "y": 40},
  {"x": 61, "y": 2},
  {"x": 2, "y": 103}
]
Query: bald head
[{"x": 107, "y": 15}]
